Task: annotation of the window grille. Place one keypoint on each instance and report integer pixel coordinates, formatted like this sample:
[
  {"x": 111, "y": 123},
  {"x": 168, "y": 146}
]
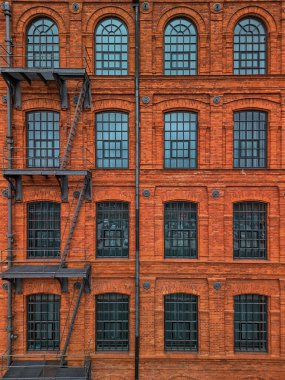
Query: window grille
[
  {"x": 43, "y": 322},
  {"x": 112, "y": 229},
  {"x": 42, "y": 44},
  {"x": 43, "y": 230},
  {"x": 111, "y": 44},
  {"x": 180, "y": 48},
  {"x": 180, "y": 140},
  {"x": 250, "y": 47},
  {"x": 112, "y": 144},
  {"x": 181, "y": 322},
  {"x": 180, "y": 230},
  {"x": 43, "y": 139},
  {"x": 112, "y": 322},
  {"x": 250, "y": 139},
  {"x": 249, "y": 230},
  {"x": 250, "y": 322}
]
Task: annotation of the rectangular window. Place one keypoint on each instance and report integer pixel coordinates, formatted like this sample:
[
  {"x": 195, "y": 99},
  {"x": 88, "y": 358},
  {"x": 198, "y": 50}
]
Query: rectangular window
[
  {"x": 112, "y": 229},
  {"x": 43, "y": 139},
  {"x": 180, "y": 140},
  {"x": 180, "y": 230},
  {"x": 112, "y": 141},
  {"x": 43, "y": 230},
  {"x": 112, "y": 322},
  {"x": 43, "y": 322},
  {"x": 181, "y": 322},
  {"x": 249, "y": 230},
  {"x": 250, "y": 139},
  {"x": 250, "y": 323}
]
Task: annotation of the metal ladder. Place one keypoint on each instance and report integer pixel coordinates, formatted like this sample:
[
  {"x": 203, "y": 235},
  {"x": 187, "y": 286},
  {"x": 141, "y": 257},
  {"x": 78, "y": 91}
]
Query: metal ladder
[
  {"x": 74, "y": 221},
  {"x": 74, "y": 123}
]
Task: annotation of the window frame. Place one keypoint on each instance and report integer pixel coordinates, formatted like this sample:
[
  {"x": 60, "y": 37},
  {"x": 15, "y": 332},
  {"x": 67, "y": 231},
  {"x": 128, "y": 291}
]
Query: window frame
[
  {"x": 125, "y": 24},
  {"x": 125, "y": 300},
  {"x": 266, "y": 44},
  {"x": 177, "y": 112},
  {"x": 191, "y": 24},
  {"x": 29, "y": 247},
  {"x": 266, "y": 142},
  {"x": 56, "y": 322},
  {"x": 27, "y": 60}
]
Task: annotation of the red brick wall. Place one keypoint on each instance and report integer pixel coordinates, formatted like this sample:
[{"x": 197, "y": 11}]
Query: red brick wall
[{"x": 216, "y": 358}]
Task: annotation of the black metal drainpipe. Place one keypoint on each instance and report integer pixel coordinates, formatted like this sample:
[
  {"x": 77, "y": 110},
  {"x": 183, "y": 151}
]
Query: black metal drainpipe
[
  {"x": 7, "y": 12},
  {"x": 137, "y": 115}
]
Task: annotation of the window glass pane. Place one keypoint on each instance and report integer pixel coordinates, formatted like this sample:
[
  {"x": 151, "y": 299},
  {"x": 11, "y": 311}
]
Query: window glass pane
[
  {"x": 181, "y": 322},
  {"x": 112, "y": 146},
  {"x": 249, "y": 230},
  {"x": 180, "y": 48},
  {"x": 42, "y": 44},
  {"x": 250, "y": 47},
  {"x": 43, "y": 230},
  {"x": 180, "y": 140},
  {"x": 43, "y": 322},
  {"x": 250, "y": 139},
  {"x": 111, "y": 47},
  {"x": 250, "y": 323},
  {"x": 112, "y": 322},
  {"x": 180, "y": 230},
  {"x": 112, "y": 229},
  {"x": 42, "y": 139}
]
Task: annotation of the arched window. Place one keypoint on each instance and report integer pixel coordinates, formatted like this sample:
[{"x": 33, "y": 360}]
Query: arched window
[
  {"x": 250, "y": 325},
  {"x": 43, "y": 230},
  {"x": 181, "y": 322},
  {"x": 112, "y": 229},
  {"x": 42, "y": 43},
  {"x": 250, "y": 47},
  {"x": 43, "y": 322},
  {"x": 112, "y": 140},
  {"x": 180, "y": 47},
  {"x": 249, "y": 230},
  {"x": 180, "y": 140},
  {"x": 112, "y": 322},
  {"x": 250, "y": 133},
  {"x": 180, "y": 230},
  {"x": 111, "y": 47},
  {"x": 42, "y": 139}
]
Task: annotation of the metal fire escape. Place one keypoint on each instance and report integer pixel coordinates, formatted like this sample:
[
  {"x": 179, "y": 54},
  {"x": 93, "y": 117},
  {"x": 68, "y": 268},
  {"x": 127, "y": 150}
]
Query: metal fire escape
[{"x": 61, "y": 271}]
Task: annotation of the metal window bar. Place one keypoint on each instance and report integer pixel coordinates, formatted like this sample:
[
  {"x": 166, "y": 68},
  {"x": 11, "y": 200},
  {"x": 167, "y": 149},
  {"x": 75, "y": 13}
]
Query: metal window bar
[
  {"x": 43, "y": 230},
  {"x": 181, "y": 322},
  {"x": 42, "y": 46},
  {"x": 111, "y": 47},
  {"x": 180, "y": 48},
  {"x": 112, "y": 229},
  {"x": 180, "y": 230},
  {"x": 43, "y": 139},
  {"x": 112, "y": 145},
  {"x": 43, "y": 322},
  {"x": 112, "y": 322},
  {"x": 250, "y": 323},
  {"x": 180, "y": 140},
  {"x": 250, "y": 130},
  {"x": 250, "y": 47},
  {"x": 249, "y": 230}
]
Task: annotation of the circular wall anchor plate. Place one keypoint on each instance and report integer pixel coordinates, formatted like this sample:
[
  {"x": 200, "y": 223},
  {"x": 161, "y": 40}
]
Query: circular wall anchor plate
[
  {"x": 217, "y": 7},
  {"x": 5, "y": 193},
  {"x": 145, "y": 6},
  {"x": 216, "y": 99},
  {"x": 145, "y": 99},
  {"x": 217, "y": 285},
  {"x": 75, "y": 7},
  {"x": 146, "y": 193},
  {"x": 146, "y": 285},
  {"x": 215, "y": 193},
  {"x": 76, "y": 194}
]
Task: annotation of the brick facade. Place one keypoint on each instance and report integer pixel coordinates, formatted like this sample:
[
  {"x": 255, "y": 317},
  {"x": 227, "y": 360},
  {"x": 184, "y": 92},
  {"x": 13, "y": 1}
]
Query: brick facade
[{"x": 215, "y": 358}]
